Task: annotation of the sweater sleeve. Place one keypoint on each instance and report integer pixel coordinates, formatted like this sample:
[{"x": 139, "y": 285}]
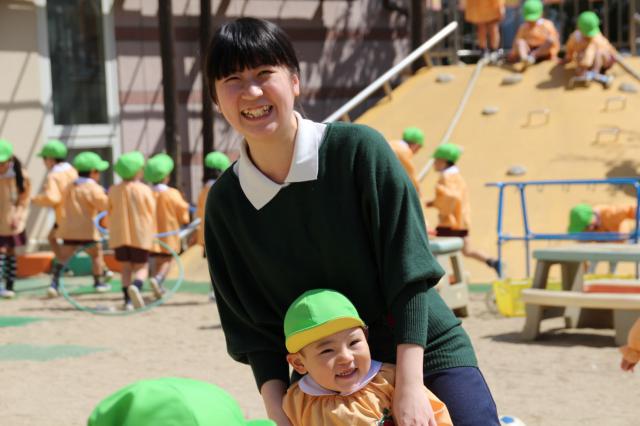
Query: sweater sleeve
[
  {"x": 50, "y": 195},
  {"x": 393, "y": 214}
]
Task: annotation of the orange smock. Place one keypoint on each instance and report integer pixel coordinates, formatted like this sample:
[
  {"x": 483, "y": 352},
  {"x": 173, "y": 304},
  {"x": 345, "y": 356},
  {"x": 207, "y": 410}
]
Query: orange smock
[
  {"x": 405, "y": 155},
  {"x": 12, "y": 203},
  {"x": 584, "y": 50},
  {"x": 452, "y": 200},
  {"x": 172, "y": 212},
  {"x": 132, "y": 215},
  {"x": 55, "y": 183},
  {"x": 483, "y": 11},
  {"x": 631, "y": 352},
  {"x": 83, "y": 199},
  {"x": 364, "y": 407},
  {"x": 613, "y": 218},
  {"x": 538, "y": 34},
  {"x": 202, "y": 201}
]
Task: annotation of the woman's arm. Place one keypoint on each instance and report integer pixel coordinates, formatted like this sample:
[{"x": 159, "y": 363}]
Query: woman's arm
[
  {"x": 272, "y": 392},
  {"x": 410, "y": 403}
]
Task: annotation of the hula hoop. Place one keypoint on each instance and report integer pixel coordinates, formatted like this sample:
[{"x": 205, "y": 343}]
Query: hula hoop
[{"x": 170, "y": 292}]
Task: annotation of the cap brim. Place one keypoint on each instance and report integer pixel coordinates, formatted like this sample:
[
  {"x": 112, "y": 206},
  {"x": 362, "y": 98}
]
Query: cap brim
[
  {"x": 260, "y": 423},
  {"x": 4, "y": 158},
  {"x": 531, "y": 17},
  {"x": 102, "y": 166},
  {"x": 302, "y": 338}
]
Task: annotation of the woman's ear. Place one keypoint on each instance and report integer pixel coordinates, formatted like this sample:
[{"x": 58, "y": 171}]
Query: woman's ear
[
  {"x": 295, "y": 360},
  {"x": 295, "y": 82}
]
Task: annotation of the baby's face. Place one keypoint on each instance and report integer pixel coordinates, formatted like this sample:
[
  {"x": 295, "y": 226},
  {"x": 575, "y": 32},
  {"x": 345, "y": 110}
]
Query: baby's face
[{"x": 338, "y": 362}]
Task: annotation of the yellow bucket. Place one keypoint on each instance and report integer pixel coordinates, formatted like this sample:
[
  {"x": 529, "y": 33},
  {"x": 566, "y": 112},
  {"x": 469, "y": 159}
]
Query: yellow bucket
[{"x": 508, "y": 294}]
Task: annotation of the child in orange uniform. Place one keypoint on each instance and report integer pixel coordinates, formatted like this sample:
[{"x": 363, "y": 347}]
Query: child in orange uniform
[
  {"x": 60, "y": 174},
  {"x": 214, "y": 164},
  {"x": 341, "y": 384},
  {"x": 412, "y": 141},
  {"x": 15, "y": 189},
  {"x": 591, "y": 51},
  {"x": 132, "y": 214},
  {"x": 81, "y": 202},
  {"x": 537, "y": 38},
  {"x": 172, "y": 212},
  {"x": 486, "y": 15},
  {"x": 601, "y": 218},
  {"x": 631, "y": 352},
  {"x": 452, "y": 202}
]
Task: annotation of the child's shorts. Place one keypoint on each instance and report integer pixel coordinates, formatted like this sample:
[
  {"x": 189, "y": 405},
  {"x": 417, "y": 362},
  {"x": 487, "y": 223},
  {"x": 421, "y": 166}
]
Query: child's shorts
[
  {"x": 131, "y": 254},
  {"x": 13, "y": 241},
  {"x": 160, "y": 255},
  {"x": 78, "y": 242},
  {"x": 445, "y": 231}
]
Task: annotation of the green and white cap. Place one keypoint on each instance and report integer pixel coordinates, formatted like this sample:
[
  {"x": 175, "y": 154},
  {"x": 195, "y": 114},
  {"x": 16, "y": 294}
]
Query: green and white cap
[
  {"x": 589, "y": 24},
  {"x": 170, "y": 401},
  {"x": 532, "y": 10},
  {"x": 580, "y": 218},
  {"x": 317, "y": 314},
  {"x": 54, "y": 149},
  {"x": 448, "y": 151},
  {"x": 217, "y": 160},
  {"x": 413, "y": 135},
  {"x": 88, "y": 161},
  {"x": 129, "y": 164},
  {"x": 158, "y": 167},
  {"x": 6, "y": 150}
]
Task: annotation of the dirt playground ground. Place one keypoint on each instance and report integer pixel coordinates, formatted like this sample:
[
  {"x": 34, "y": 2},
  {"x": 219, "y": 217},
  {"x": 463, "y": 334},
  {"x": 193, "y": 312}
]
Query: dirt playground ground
[{"x": 56, "y": 363}]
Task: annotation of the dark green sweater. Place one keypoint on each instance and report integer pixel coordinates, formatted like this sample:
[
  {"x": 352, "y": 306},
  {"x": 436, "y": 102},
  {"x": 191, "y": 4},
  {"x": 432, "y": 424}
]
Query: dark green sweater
[{"x": 357, "y": 229}]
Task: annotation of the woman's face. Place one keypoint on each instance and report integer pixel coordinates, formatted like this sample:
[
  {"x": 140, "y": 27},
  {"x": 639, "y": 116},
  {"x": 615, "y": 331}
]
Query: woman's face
[{"x": 258, "y": 102}]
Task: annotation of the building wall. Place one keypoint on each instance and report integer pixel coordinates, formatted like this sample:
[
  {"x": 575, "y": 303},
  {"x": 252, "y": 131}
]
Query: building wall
[
  {"x": 343, "y": 46},
  {"x": 22, "y": 117}
]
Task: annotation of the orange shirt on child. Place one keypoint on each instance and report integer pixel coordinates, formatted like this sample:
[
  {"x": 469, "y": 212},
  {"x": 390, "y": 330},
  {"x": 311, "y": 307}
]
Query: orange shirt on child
[
  {"x": 10, "y": 199},
  {"x": 613, "y": 218},
  {"x": 132, "y": 215},
  {"x": 452, "y": 200},
  {"x": 584, "y": 50},
  {"x": 538, "y": 34},
  {"x": 631, "y": 352},
  {"x": 56, "y": 181},
  {"x": 172, "y": 212},
  {"x": 483, "y": 11},
  {"x": 83, "y": 199},
  {"x": 202, "y": 201},
  {"x": 405, "y": 155}
]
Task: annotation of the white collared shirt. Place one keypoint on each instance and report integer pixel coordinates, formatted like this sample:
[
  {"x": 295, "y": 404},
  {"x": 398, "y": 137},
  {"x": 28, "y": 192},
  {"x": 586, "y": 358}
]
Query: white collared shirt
[
  {"x": 160, "y": 187},
  {"x": 60, "y": 167},
  {"x": 80, "y": 180},
  {"x": 451, "y": 170},
  {"x": 258, "y": 188},
  {"x": 311, "y": 387}
]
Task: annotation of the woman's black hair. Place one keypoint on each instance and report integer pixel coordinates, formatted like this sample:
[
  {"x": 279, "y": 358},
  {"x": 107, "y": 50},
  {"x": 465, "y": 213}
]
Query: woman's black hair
[
  {"x": 210, "y": 174},
  {"x": 17, "y": 170},
  {"x": 247, "y": 43}
]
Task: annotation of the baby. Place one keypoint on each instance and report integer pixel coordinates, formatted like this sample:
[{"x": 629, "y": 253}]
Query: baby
[{"x": 342, "y": 385}]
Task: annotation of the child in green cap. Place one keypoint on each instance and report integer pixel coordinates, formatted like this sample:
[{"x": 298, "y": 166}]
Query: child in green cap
[
  {"x": 591, "y": 51},
  {"x": 81, "y": 202},
  {"x": 452, "y": 201},
  {"x": 214, "y": 164},
  {"x": 341, "y": 384},
  {"x": 412, "y": 141},
  {"x": 601, "y": 218},
  {"x": 59, "y": 175},
  {"x": 537, "y": 38},
  {"x": 172, "y": 212},
  {"x": 15, "y": 189},
  {"x": 170, "y": 401},
  {"x": 132, "y": 226}
]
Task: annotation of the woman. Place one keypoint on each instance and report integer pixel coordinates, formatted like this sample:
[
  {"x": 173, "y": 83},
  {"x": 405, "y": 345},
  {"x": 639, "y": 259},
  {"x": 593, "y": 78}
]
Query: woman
[{"x": 309, "y": 206}]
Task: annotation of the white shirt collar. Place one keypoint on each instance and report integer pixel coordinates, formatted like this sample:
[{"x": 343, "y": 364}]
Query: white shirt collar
[
  {"x": 311, "y": 387},
  {"x": 80, "y": 180},
  {"x": 210, "y": 183},
  {"x": 451, "y": 170},
  {"x": 60, "y": 167},
  {"x": 258, "y": 188},
  {"x": 160, "y": 187}
]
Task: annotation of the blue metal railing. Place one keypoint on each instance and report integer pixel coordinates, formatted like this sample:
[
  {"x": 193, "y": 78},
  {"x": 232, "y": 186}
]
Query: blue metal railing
[{"x": 530, "y": 235}]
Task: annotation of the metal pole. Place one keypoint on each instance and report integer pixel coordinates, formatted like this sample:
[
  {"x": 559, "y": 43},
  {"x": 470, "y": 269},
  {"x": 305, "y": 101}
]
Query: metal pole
[
  {"x": 525, "y": 222},
  {"x": 500, "y": 212},
  {"x": 171, "y": 139},
  {"x": 207, "y": 108}
]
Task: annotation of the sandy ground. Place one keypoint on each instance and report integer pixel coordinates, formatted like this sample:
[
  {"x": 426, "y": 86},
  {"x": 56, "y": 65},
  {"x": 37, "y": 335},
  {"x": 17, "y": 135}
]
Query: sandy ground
[{"x": 567, "y": 378}]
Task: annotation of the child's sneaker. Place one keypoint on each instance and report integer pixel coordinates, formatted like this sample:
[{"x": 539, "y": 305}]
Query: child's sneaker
[
  {"x": 156, "y": 288},
  {"x": 101, "y": 288},
  {"x": 107, "y": 274},
  {"x": 136, "y": 297},
  {"x": 128, "y": 306},
  {"x": 7, "y": 294},
  {"x": 52, "y": 292},
  {"x": 531, "y": 60}
]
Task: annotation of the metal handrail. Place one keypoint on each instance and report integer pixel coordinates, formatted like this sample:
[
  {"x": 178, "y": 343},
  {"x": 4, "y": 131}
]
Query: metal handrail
[{"x": 383, "y": 80}]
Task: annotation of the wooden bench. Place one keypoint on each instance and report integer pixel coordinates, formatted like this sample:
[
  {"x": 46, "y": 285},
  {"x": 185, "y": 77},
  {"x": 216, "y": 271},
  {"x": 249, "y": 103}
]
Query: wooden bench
[{"x": 543, "y": 304}]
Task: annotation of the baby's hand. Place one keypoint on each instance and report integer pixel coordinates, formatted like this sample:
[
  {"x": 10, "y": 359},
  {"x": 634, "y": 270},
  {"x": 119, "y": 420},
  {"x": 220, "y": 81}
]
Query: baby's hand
[{"x": 626, "y": 365}]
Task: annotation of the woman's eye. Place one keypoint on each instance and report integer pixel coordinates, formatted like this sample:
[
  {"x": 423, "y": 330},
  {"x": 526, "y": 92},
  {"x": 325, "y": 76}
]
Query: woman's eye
[{"x": 230, "y": 79}]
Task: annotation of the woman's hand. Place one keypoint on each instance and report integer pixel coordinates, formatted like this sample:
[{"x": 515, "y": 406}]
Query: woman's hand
[
  {"x": 411, "y": 405},
  {"x": 272, "y": 393}
]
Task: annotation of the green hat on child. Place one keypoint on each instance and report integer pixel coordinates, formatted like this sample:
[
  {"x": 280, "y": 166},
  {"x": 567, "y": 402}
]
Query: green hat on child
[
  {"x": 88, "y": 161},
  {"x": 532, "y": 10},
  {"x": 129, "y": 164},
  {"x": 54, "y": 149},
  {"x": 589, "y": 24},
  {"x": 217, "y": 160},
  {"x": 6, "y": 150},
  {"x": 448, "y": 151},
  {"x": 170, "y": 401},
  {"x": 158, "y": 167},
  {"x": 318, "y": 314},
  {"x": 580, "y": 218},
  {"x": 413, "y": 135}
]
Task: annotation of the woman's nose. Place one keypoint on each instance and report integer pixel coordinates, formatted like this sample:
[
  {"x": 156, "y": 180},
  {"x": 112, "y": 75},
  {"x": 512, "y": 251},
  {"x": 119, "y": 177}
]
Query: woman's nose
[{"x": 252, "y": 90}]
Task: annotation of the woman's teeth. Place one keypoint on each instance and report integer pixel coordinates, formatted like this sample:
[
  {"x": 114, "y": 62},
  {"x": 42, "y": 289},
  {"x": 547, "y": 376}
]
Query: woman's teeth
[{"x": 257, "y": 112}]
